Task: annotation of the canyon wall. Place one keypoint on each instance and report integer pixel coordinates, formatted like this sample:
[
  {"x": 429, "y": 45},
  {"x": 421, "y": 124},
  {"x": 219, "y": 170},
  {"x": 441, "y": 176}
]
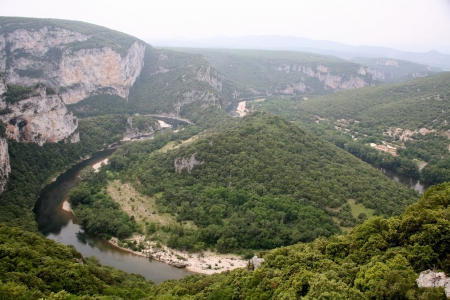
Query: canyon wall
[{"x": 69, "y": 62}]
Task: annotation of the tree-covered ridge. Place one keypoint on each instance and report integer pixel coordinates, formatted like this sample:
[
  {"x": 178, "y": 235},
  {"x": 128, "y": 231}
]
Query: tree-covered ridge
[
  {"x": 379, "y": 259},
  {"x": 259, "y": 184},
  {"x": 423, "y": 102},
  {"x": 256, "y": 73},
  {"x": 392, "y": 114},
  {"x": 33, "y": 267},
  {"x": 265, "y": 154},
  {"x": 99, "y": 36}
]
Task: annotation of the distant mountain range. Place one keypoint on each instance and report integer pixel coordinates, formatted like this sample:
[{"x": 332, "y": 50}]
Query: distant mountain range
[{"x": 275, "y": 42}]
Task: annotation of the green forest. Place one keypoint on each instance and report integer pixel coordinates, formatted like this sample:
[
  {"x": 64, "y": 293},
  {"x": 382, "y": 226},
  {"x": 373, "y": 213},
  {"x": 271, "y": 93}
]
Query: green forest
[
  {"x": 259, "y": 184},
  {"x": 379, "y": 259}
]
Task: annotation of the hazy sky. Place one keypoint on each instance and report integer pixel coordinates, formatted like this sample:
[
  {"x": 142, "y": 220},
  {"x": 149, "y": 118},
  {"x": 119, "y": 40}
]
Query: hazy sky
[{"x": 414, "y": 25}]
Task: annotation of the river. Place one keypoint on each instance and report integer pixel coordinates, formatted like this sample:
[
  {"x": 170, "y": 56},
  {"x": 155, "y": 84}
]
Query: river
[
  {"x": 407, "y": 181},
  {"x": 57, "y": 224}
]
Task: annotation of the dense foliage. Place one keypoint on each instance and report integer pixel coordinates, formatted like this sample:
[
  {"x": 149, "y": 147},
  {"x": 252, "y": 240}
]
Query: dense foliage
[
  {"x": 16, "y": 93},
  {"x": 97, "y": 212},
  {"x": 259, "y": 184},
  {"x": 379, "y": 259},
  {"x": 33, "y": 267},
  {"x": 410, "y": 105}
]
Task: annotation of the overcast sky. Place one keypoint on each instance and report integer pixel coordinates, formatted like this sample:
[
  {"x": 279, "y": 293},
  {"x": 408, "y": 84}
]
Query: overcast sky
[{"x": 410, "y": 25}]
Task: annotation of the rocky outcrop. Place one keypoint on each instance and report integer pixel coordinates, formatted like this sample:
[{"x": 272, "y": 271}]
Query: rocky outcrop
[
  {"x": 48, "y": 55},
  {"x": 206, "y": 98},
  {"x": 145, "y": 128},
  {"x": 39, "y": 119},
  {"x": 214, "y": 79},
  {"x": 255, "y": 262},
  {"x": 186, "y": 163},
  {"x": 376, "y": 74},
  {"x": 291, "y": 88},
  {"x": 336, "y": 82},
  {"x": 432, "y": 279},
  {"x": 5, "y": 167}
]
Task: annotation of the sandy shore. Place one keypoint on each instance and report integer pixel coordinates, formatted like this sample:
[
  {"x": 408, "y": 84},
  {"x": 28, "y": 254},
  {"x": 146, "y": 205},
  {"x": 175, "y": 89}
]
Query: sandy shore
[
  {"x": 204, "y": 263},
  {"x": 99, "y": 164},
  {"x": 164, "y": 124},
  {"x": 241, "y": 108},
  {"x": 66, "y": 206}
]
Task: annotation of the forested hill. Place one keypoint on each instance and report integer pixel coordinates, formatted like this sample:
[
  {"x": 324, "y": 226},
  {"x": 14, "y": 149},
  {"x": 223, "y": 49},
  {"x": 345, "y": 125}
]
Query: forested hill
[
  {"x": 423, "y": 102},
  {"x": 263, "y": 170},
  {"x": 412, "y": 118}
]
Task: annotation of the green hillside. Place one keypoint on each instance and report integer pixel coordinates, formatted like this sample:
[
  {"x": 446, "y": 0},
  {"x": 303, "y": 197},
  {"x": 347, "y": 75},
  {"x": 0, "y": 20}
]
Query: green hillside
[
  {"x": 379, "y": 259},
  {"x": 352, "y": 119},
  {"x": 261, "y": 183},
  {"x": 423, "y": 102}
]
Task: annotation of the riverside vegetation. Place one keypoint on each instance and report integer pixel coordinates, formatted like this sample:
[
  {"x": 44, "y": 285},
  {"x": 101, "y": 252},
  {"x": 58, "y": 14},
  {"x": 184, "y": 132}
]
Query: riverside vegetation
[{"x": 379, "y": 259}]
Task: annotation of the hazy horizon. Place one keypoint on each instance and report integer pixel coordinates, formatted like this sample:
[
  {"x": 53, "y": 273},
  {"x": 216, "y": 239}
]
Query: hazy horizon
[{"x": 406, "y": 25}]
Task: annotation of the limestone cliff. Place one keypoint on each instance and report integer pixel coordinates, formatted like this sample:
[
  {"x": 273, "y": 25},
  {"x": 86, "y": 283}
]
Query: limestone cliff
[
  {"x": 332, "y": 81},
  {"x": 214, "y": 79},
  {"x": 39, "y": 118},
  {"x": 5, "y": 167},
  {"x": 57, "y": 57}
]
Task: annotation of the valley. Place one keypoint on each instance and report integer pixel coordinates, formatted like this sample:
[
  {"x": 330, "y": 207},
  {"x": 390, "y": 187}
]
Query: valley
[{"x": 205, "y": 158}]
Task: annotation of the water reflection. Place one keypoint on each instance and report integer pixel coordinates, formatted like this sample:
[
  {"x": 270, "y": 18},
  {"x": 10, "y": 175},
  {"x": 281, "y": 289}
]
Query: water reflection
[
  {"x": 58, "y": 225},
  {"x": 407, "y": 181}
]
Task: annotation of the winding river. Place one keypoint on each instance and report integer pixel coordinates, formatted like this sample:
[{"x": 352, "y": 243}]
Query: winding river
[{"x": 57, "y": 224}]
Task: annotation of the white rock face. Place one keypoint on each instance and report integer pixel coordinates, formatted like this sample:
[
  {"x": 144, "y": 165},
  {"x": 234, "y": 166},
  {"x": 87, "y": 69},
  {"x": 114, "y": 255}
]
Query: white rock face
[
  {"x": 40, "y": 119},
  {"x": 431, "y": 279},
  {"x": 5, "y": 167},
  {"x": 332, "y": 81},
  {"x": 31, "y": 56},
  {"x": 213, "y": 79},
  {"x": 255, "y": 262},
  {"x": 186, "y": 163},
  {"x": 207, "y": 99}
]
